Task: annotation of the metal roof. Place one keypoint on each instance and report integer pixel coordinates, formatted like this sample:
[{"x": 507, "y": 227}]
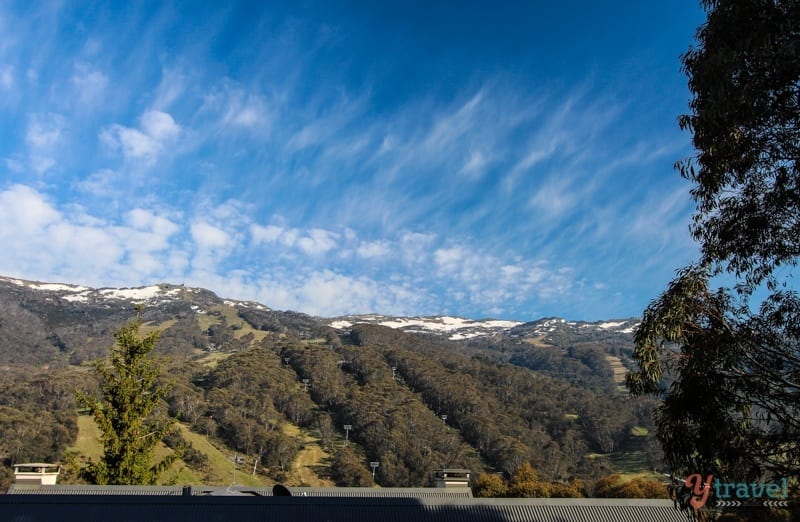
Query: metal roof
[
  {"x": 124, "y": 508},
  {"x": 84, "y": 489}
]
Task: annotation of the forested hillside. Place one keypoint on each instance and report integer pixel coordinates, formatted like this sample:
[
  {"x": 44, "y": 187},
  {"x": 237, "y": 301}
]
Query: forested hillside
[{"x": 263, "y": 385}]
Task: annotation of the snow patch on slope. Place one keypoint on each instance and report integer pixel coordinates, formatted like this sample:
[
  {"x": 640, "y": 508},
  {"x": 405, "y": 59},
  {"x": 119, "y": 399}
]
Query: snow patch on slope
[
  {"x": 144, "y": 293},
  {"x": 610, "y": 324},
  {"x": 48, "y": 287},
  {"x": 456, "y": 328}
]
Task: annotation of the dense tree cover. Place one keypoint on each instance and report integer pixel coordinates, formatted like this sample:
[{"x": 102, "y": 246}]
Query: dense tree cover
[
  {"x": 525, "y": 483},
  {"x": 616, "y": 486},
  {"x": 727, "y": 360},
  {"x": 348, "y": 469},
  {"x": 581, "y": 365},
  {"x": 230, "y": 381},
  {"x": 511, "y": 415},
  {"x": 129, "y": 412},
  {"x": 38, "y": 417},
  {"x": 391, "y": 423},
  {"x": 246, "y": 402}
]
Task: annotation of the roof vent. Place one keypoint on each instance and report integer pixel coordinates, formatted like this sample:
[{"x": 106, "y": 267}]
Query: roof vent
[
  {"x": 452, "y": 478},
  {"x": 36, "y": 473}
]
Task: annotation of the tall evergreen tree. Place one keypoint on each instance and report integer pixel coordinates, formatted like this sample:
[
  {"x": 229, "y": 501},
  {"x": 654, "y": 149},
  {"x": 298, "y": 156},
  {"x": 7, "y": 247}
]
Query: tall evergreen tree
[{"x": 129, "y": 412}]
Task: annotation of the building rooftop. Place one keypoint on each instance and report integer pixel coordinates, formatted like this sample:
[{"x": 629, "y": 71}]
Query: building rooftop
[
  {"x": 136, "y": 506},
  {"x": 85, "y": 489}
]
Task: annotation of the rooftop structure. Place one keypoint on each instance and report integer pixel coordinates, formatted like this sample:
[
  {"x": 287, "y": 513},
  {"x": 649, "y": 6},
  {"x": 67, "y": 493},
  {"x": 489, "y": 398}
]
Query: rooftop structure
[
  {"x": 243, "y": 508},
  {"x": 452, "y": 478},
  {"x": 36, "y": 473}
]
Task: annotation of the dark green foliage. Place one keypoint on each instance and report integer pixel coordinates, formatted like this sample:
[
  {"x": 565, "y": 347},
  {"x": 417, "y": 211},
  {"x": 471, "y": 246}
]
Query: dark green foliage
[
  {"x": 245, "y": 401},
  {"x": 129, "y": 412},
  {"x": 348, "y": 469},
  {"x": 392, "y": 424},
  {"x": 193, "y": 458},
  {"x": 34, "y": 435},
  {"x": 744, "y": 75},
  {"x": 38, "y": 419},
  {"x": 511, "y": 414},
  {"x": 727, "y": 361},
  {"x": 581, "y": 365}
]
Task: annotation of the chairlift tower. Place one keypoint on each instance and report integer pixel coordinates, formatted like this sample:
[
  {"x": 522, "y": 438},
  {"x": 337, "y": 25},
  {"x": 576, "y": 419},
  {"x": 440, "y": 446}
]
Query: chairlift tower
[
  {"x": 347, "y": 428},
  {"x": 374, "y": 465},
  {"x": 305, "y": 384},
  {"x": 236, "y": 460}
]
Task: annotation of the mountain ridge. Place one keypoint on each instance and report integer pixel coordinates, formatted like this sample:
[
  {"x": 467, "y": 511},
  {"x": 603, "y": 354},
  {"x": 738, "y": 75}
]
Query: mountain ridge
[
  {"x": 453, "y": 328},
  {"x": 418, "y": 392}
]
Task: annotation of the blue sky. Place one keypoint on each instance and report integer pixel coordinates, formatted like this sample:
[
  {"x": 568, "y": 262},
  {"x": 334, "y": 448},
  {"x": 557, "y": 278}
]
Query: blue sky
[{"x": 481, "y": 159}]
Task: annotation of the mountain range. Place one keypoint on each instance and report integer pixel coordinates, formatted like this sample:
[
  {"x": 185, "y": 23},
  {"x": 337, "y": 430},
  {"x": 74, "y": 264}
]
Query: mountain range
[
  {"x": 417, "y": 392},
  {"x": 49, "y": 298}
]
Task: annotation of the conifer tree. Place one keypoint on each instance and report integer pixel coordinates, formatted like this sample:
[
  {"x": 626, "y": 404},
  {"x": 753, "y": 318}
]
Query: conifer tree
[{"x": 129, "y": 412}]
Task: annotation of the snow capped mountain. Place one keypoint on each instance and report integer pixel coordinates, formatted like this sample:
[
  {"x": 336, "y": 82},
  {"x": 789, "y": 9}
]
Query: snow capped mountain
[
  {"x": 454, "y": 328},
  {"x": 458, "y": 328},
  {"x": 152, "y": 295},
  {"x": 544, "y": 328}
]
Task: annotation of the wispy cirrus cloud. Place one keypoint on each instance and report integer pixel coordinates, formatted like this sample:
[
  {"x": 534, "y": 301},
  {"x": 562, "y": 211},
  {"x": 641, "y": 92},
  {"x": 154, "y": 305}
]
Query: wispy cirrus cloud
[
  {"x": 270, "y": 154},
  {"x": 44, "y": 136},
  {"x": 90, "y": 84}
]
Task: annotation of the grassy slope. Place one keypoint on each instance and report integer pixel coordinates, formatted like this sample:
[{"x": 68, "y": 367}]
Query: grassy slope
[
  {"x": 311, "y": 460},
  {"x": 220, "y": 471}
]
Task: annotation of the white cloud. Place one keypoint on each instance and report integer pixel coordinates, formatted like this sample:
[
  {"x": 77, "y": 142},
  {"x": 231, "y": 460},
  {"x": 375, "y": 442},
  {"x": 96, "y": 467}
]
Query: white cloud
[
  {"x": 42, "y": 164},
  {"x": 416, "y": 246},
  {"x": 234, "y": 107},
  {"x": 24, "y": 212},
  {"x": 313, "y": 242},
  {"x": 14, "y": 164},
  {"x": 134, "y": 143},
  {"x": 451, "y": 128},
  {"x": 160, "y": 126},
  {"x": 147, "y": 221},
  {"x": 373, "y": 249},
  {"x": 147, "y": 245},
  {"x": 328, "y": 293},
  {"x": 329, "y": 127},
  {"x": 104, "y": 183},
  {"x": 209, "y": 236},
  {"x": 450, "y": 259},
  {"x": 265, "y": 234},
  {"x": 44, "y": 242},
  {"x": 158, "y": 132},
  {"x": 44, "y": 130},
  {"x": 318, "y": 241}
]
